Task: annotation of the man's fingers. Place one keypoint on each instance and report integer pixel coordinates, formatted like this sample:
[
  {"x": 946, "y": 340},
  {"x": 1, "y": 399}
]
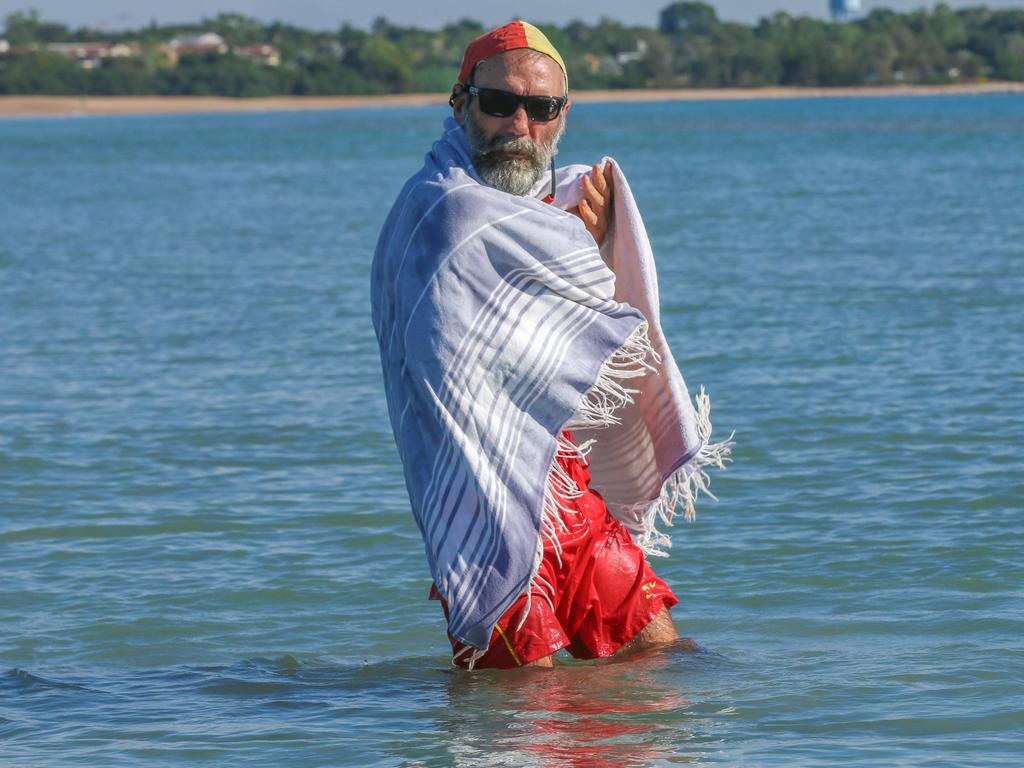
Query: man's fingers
[
  {"x": 587, "y": 214},
  {"x": 609, "y": 189},
  {"x": 589, "y": 217},
  {"x": 595, "y": 196},
  {"x": 599, "y": 179}
]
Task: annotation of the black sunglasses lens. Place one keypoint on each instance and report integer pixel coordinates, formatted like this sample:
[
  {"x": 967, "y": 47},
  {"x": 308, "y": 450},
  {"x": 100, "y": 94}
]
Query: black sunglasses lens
[
  {"x": 542, "y": 108},
  {"x": 498, "y": 103}
]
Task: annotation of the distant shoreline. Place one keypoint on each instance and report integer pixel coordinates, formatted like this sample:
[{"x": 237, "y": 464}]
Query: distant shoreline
[{"x": 35, "y": 106}]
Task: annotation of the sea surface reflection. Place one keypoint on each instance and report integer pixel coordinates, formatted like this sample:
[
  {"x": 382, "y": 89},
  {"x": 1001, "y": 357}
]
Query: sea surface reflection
[{"x": 628, "y": 712}]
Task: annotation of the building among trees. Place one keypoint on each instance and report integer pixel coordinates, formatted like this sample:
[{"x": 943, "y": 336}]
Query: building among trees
[{"x": 844, "y": 10}]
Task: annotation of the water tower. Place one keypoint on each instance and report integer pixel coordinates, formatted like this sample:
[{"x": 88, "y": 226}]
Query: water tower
[{"x": 843, "y": 10}]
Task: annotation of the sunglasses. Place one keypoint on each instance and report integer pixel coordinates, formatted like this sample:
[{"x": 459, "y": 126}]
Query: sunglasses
[{"x": 540, "y": 109}]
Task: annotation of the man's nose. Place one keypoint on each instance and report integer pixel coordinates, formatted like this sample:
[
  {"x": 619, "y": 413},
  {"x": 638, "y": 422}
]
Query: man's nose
[{"x": 520, "y": 121}]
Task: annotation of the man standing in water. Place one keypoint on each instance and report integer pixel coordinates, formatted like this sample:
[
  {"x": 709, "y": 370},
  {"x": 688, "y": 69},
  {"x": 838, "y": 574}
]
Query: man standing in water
[{"x": 500, "y": 292}]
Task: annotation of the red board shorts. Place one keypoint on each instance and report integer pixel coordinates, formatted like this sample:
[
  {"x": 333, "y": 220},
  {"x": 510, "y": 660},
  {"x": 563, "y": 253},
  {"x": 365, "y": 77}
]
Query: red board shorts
[{"x": 604, "y": 591}]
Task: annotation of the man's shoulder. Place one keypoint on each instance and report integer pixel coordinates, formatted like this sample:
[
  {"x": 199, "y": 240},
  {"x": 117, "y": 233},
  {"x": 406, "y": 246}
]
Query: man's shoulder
[
  {"x": 431, "y": 186},
  {"x": 448, "y": 196},
  {"x": 424, "y": 209}
]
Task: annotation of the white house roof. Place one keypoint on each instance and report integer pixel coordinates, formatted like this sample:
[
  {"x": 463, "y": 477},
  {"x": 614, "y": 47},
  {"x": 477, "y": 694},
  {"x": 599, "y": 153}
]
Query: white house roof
[{"x": 207, "y": 39}]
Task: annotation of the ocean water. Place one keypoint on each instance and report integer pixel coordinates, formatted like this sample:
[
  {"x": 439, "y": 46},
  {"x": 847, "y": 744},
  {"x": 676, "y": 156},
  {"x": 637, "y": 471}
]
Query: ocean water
[{"x": 206, "y": 551}]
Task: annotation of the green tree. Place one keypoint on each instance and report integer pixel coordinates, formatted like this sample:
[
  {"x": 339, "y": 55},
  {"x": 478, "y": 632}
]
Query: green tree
[
  {"x": 236, "y": 29},
  {"x": 1009, "y": 60},
  {"x": 23, "y": 27},
  {"x": 692, "y": 18},
  {"x": 381, "y": 63},
  {"x": 42, "y": 72},
  {"x": 213, "y": 74},
  {"x": 120, "y": 77}
]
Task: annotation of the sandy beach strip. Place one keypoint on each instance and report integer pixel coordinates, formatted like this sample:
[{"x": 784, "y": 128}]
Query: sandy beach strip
[{"x": 26, "y": 106}]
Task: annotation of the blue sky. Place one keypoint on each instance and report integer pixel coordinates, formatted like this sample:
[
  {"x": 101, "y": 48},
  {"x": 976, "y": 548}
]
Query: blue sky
[{"x": 329, "y": 14}]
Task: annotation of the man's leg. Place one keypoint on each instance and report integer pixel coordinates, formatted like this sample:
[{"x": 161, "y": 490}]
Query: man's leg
[
  {"x": 626, "y": 605},
  {"x": 660, "y": 631},
  {"x": 545, "y": 661}
]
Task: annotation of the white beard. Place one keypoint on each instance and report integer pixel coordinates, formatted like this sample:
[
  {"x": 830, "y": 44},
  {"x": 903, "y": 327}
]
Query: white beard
[{"x": 515, "y": 175}]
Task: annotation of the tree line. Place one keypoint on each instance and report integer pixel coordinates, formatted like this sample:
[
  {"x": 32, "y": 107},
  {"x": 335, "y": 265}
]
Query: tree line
[{"x": 690, "y": 47}]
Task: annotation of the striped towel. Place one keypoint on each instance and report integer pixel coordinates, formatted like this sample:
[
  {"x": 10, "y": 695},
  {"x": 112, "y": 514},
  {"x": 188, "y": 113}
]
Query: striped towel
[{"x": 501, "y": 323}]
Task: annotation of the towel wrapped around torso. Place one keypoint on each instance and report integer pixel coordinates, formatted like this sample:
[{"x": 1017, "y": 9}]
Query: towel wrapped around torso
[{"x": 500, "y": 324}]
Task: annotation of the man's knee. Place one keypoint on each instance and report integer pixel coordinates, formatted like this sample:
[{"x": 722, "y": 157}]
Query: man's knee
[
  {"x": 659, "y": 631},
  {"x": 544, "y": 661}
]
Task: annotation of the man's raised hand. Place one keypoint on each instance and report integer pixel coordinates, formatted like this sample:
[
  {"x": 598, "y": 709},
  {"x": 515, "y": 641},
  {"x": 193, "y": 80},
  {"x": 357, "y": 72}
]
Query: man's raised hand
[{"x": 596, "y": 206}]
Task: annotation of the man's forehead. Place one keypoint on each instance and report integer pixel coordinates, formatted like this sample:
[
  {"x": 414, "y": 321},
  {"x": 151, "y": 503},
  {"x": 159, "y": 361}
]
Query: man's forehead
[{"x": 532, "y": 69}]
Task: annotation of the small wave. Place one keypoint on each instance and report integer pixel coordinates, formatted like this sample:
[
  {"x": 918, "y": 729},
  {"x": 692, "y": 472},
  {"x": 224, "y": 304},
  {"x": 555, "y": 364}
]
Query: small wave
[{"x": 20, "y": 680}]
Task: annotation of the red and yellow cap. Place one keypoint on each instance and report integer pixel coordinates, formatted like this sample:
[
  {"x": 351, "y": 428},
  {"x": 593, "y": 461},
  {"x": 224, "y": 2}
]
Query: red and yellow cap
[{"x": 516, "y": 34}]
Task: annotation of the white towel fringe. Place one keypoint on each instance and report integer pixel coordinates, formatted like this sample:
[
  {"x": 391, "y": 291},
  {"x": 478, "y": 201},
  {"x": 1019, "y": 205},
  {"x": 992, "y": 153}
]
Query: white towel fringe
[
  {"x": 597, "y": 409},
  {"x": 560, "y": 485},
  {"x": 599, "y": 405},
  {"x": 472, "y": 659},
  {"x": 683, "y": 487},
  {"x": 535, "y": 570}
]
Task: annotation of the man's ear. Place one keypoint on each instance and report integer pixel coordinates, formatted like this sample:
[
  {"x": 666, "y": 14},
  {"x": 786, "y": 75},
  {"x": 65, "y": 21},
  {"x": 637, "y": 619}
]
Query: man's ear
[{"x": 457, "y": 101}]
